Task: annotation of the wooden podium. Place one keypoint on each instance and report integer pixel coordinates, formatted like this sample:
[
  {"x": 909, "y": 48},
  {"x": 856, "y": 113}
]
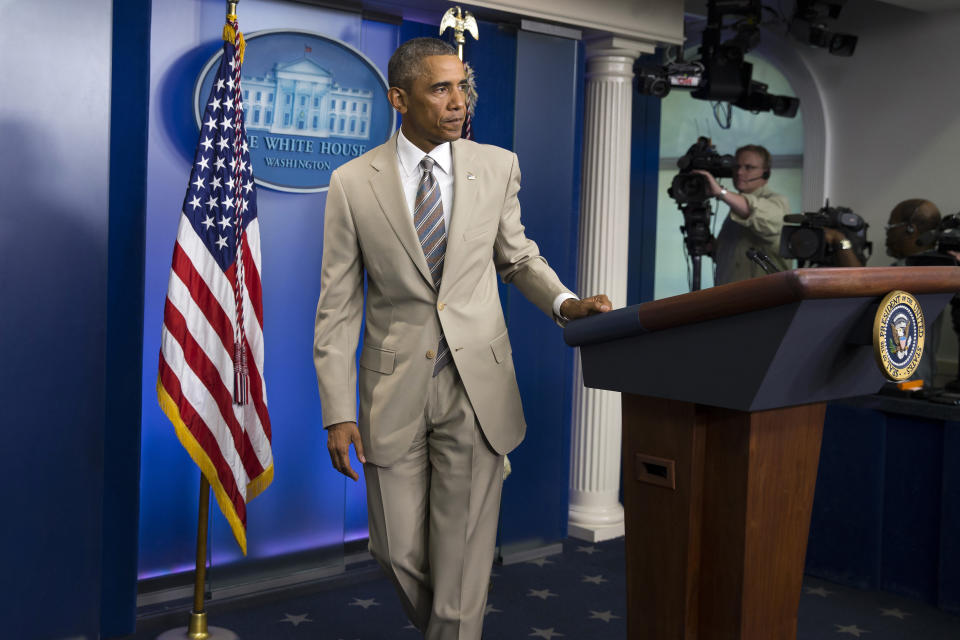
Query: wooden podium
[{"x": 724, "y": 393}]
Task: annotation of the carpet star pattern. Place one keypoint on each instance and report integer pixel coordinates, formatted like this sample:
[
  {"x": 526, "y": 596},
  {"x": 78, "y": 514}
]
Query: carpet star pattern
[
  {"x": 606, "y": 616},
  {"x": 594, "y": 579},
  {"x": 366, "y": 604},
  {"x": 554, "y": 602},
  {"x": 852, "y": 629},
  {"x": 588, "y": 550},
  {"x": 540, "y": 562},
  {"x": 295, "y": 620}
]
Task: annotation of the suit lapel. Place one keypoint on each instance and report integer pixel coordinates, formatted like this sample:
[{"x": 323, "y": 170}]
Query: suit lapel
[
  {"x": 464, "y": 200},
  {"x": 388, "y": 191}
]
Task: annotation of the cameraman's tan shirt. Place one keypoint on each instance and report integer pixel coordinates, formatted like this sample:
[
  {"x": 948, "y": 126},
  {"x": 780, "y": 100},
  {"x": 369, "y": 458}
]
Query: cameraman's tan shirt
[{"x": 761, "y": 231}]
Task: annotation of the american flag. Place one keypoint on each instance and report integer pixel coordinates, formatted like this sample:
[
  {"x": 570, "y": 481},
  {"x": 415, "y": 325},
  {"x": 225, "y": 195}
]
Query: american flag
[{"x": 210, "y": 383}]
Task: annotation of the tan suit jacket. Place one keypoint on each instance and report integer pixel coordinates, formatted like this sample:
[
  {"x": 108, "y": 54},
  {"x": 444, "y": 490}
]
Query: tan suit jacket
[{"x": 369, "y": 228}]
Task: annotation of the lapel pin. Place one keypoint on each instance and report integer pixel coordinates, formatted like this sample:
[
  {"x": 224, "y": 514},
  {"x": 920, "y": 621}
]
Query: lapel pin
[{"x": 470, "y": 176}]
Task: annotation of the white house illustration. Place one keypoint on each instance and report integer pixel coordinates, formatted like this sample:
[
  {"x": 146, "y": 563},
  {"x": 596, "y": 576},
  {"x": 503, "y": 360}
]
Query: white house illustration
[{"x": 301, "y": 98}]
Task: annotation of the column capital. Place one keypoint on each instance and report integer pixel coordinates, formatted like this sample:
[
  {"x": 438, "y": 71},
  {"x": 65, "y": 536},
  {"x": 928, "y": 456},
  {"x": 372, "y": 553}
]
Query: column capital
[{"x": 608, "y": 45}]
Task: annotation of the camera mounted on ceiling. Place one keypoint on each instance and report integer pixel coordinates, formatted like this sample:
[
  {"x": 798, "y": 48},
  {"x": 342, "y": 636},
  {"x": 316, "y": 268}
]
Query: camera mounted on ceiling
[
  {"x": 721, "y": 73},
  {"x": 810, "y": 25}
]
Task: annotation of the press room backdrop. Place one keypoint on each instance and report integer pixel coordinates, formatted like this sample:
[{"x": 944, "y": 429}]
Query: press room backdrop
[{"x": 530, "y": 88}]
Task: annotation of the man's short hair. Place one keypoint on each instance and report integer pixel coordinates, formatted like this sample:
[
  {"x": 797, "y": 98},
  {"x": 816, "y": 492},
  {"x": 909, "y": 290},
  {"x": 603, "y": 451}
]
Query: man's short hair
[
  {"x": 406, "y": 63},
  {"x": 761, "y": 151},
  {"x": 921, "y": 213}
]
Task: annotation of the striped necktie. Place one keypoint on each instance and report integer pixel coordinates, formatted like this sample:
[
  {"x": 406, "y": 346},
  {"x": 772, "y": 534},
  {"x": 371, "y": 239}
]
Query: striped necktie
[{"x": 428, "y": 220}]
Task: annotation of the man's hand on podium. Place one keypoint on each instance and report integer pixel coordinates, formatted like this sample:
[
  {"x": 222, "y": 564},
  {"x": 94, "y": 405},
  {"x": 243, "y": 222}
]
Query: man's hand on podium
[{"x": 572, "y": 309}]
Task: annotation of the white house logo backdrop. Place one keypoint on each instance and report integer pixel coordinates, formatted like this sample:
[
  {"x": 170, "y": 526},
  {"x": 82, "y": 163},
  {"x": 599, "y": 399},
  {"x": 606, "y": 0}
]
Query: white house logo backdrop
[{"x": 311, "y": 103}]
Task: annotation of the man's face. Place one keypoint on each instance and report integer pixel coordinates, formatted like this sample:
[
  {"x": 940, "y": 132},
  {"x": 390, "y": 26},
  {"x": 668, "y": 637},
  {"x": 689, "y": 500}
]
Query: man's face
[
  {"x": 434, "y": 107},
  {"x": 749, "y": 175},
  {"x": 900, "y": 242}
]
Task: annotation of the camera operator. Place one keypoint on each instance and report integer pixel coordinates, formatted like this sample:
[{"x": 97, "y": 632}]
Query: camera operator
[{"x": 755, "y": 219}]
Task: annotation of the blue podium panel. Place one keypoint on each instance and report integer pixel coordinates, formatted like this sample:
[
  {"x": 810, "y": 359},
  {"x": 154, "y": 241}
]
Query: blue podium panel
[{"x": 846, "y": 525}]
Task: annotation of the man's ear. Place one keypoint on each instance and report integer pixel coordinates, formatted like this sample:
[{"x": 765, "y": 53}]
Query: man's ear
[{"x": 398, "y": 99}]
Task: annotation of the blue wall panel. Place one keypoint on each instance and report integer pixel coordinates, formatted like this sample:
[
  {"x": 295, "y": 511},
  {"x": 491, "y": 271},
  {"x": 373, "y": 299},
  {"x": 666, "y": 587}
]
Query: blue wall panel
[
  {"x": 54, "y": 180},
  {"x": 545, "y": 132},
  {"x": 306, "y": 506}
]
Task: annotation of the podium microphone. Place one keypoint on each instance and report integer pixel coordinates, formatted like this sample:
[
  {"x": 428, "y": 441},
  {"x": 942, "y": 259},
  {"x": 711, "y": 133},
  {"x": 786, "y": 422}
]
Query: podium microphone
[{"x": 762, "y": 260}]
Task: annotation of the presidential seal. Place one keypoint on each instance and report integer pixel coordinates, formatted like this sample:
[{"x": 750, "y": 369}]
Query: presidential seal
[{"x": 898, "y": 335}]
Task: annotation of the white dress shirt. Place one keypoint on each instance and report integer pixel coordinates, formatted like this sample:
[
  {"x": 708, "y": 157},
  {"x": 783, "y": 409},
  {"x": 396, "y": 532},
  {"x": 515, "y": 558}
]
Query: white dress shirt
[{"x": 408, "y": 158}]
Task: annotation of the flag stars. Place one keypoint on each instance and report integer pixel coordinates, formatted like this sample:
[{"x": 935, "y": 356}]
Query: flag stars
[
  {"x": 228, "y": 104},
  {"x": 207, "y": 144},
  {"x": 223, "y": 144},
  {"x": 211, "y": 123},
  {"x": 231, "y": 84},
  {"x": 215, "y": 183},
  {"x": 230, "y": 183},
  {"x": 222, "y": 242},
  {"x": 227, "y": 202},
  {"x": 195, "y": 203},
  {"x": 243, "y": 206},
  {"x": 204, "y": 163},
  {"x": 225, "y": 222},
  {"x": 211, "y": 202},
  {"x": 248, "y": 186},
  {"x": 215, "y": 104},
  {"x": 198, "y": 183},
  {"x": 220, "y": 84},
  {"x": 226, "y": 124},
  {"x": 218, "y": 163},
  {"x": 208, "y": 222}
]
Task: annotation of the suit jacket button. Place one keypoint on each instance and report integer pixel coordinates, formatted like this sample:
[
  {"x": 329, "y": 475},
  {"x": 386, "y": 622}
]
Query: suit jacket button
[
  {"x": 441, "y": 306},
  {"x": 430, "y": 354}
]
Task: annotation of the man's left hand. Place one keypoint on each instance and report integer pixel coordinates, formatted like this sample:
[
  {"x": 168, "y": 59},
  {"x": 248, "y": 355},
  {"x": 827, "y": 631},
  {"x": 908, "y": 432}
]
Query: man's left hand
[{"x": 572, "y": 309}]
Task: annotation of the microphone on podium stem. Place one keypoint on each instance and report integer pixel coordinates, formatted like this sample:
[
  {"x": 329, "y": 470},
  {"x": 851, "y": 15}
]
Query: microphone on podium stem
[{"x": 762, "y": 260}]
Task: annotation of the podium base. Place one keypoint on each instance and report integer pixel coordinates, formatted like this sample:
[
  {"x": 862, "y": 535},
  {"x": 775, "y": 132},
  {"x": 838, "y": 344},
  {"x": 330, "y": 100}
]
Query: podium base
[
  {"x": 595, "y": 532},
  {"x": 213, "y": 633}
]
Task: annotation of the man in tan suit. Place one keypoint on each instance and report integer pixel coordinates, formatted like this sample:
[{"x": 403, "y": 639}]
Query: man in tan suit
[{"x": 431, "y": 220}]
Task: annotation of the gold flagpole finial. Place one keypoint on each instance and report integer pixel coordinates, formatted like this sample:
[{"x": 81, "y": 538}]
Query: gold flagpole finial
[{"x": 460, "y": 21}]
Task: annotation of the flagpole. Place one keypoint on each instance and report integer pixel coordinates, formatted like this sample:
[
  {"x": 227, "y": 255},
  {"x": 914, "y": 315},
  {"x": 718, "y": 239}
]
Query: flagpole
[{"x": 197, "y": 628}]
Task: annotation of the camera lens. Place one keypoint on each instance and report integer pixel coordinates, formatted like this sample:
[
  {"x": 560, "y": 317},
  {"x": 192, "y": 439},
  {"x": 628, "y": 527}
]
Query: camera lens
[{"x": 804, "y": 243}]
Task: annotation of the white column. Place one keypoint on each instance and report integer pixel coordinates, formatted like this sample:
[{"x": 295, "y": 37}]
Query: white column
[{"x": 595, "y": 510}]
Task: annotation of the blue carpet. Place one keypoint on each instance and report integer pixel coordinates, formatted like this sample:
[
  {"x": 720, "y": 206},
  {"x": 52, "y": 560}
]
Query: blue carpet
[{"x": 576, "y": 595}]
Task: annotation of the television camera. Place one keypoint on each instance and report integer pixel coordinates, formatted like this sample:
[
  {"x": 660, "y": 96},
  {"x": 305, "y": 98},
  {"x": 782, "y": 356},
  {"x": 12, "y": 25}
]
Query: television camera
[
  {"x": 691, "y": 192},
  {"x": 803, "y": 235}
]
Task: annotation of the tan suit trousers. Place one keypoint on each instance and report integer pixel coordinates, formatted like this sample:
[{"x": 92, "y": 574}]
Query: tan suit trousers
[{"x": 433, "y": 515}]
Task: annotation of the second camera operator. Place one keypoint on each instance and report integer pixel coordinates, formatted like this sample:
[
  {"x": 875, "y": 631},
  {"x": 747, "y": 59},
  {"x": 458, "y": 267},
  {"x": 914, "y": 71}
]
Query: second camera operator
[{"x": 755, "y": 219}]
